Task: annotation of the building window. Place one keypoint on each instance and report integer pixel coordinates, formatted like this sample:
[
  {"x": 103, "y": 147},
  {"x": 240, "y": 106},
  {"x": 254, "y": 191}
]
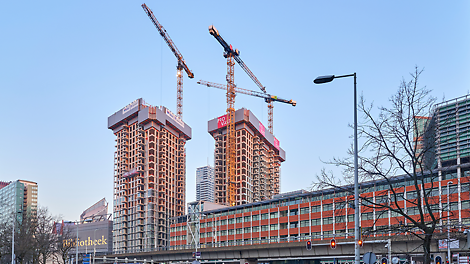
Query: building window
[
  {"x": 283, "y": 226},
  {"x": 327, "y": 207},
  {"x": 304, "y": 210},
  {"x": 293, "y": 212},
  {"x": 264, "y": 228},
  {"x": 316, "y": 222},
  {"x": 304, "y": 223},
  {"x": 412, "y": 210},
  {"x": 273, "y": 227},
  {"x": 239, "y": 231},
  {"x": 367, "y": 216},
  {"x": 316, "y": 209},
  {"x": 340, "y": 219},
  {"x": 247, "y": 230},
  {"x": 293, "y": 224},
  {"x": 231, "y": 221},
  {"x": 283, "y": 213},
  {"x": 256, "y": 229},
  {"x": 264, "y": 216},
  {"x": 247, "y": 219},
  {"x": 239, "y": 220},
  {"x": 327, "y": 220},
  {"x": 381, "y": 214},
  {"x": 231, "y": 232},
  {"x": 351, "y": 218},
  {"x": 255, "y": 217},
  {"x": 274, "y": 215}
]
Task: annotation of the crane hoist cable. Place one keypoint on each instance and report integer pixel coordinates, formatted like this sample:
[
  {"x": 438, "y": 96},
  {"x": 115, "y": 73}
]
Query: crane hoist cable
[{"x": 181, "y": 63}]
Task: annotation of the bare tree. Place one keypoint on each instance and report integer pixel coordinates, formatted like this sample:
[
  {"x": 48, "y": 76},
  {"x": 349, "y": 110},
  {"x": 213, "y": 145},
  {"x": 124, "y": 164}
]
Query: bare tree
[
  {"x": 398, "y": 150},
  {"x": 35, "y": 241},
  {"x": 65, "y": 242},
  {"x": 44, "y": 238}
]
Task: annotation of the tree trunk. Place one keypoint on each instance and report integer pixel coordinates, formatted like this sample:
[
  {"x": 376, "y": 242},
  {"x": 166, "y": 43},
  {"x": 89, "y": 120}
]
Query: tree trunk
[{"x": 427, "y": 248}]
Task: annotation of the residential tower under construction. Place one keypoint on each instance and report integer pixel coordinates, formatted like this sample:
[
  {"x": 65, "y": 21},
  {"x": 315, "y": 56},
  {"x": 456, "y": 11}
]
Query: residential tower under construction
[
  {"x": 149, "y": 175},
  {"x": 258, "y": 159}
]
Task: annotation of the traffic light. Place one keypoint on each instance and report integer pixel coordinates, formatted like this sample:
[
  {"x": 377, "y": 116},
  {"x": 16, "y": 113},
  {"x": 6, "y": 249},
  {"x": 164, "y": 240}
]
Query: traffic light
[
  {"x": 438, "y": 260},
  {"x": 360, "y": 243},
  {"x": 384, "y": 260},
  {"x": 309, "y": 245},
  {"x": 333, "y": 243}
]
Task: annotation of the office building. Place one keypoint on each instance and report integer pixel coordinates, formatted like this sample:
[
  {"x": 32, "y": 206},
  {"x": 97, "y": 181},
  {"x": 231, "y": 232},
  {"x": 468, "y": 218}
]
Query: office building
[
  {"x": 258, "y": 159},
  {"x": 320, "y": 215},
  {"x": 18, "y": 197},
  {"x": 149, "y": 175},
  {"x": 205, "y": 184},
  {"x": 451, "y": 122}
]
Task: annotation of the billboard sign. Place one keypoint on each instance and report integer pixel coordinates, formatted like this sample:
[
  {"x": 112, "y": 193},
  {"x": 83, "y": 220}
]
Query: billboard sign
[
  {"x": 91, "y": 235},
  {"x": 130, "y": 106},
  {"x": 222, "y": 121},
  {"x": 130, "y": 173},
  {"x": 453, "y": 243},
  {"x": 262, "y": 129},
  {"x": 276, "y": 143},
  {"x": 175, "y": 118}
]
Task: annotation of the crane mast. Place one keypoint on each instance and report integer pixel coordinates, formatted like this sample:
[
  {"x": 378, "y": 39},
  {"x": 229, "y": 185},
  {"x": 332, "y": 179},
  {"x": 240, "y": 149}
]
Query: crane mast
[
  {"x": 231, "y": 55},
  {"x": 181, "y": 63}
]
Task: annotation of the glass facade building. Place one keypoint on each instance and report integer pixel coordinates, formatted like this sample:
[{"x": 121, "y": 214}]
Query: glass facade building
[{"x": 20, "y": 197}]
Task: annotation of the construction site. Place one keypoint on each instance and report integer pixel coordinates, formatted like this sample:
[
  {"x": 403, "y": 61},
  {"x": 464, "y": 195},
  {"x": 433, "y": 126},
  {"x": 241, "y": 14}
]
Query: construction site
[{"x": 150, "y": 156}]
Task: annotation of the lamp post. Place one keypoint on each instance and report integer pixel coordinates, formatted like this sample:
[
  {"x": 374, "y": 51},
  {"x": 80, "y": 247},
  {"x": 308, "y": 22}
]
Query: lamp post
[
  {"x": 448, "y": 224},
  {"x": 13, "y": 237},
  {"x": 326, "y": 79},
  {"x": 76, "y": 245},
  {"x": 94, "y": 247}
]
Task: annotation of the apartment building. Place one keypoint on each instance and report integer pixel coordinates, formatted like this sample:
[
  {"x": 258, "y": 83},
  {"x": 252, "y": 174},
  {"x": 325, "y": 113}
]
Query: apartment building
[
  {"x": 18, "y": 198},
  {"x": 149, "y": 175},
  {"x": 205, "y": 184},
  {"x": 258, "y": 159}
]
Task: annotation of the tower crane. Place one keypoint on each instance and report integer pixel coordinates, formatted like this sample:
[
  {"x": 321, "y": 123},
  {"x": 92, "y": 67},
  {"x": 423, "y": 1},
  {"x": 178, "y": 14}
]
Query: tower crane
[
  {"x": 214, "y": 32},
  {"x": 267, "y": 97},
  {"x": 232, "y": 54},
  {"x": 181, "y": 63}
]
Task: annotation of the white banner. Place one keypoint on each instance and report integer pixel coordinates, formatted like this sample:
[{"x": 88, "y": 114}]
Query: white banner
[{"x": 453, "y": 243}]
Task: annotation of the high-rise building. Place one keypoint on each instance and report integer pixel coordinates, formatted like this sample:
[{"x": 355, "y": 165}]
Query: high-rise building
[
  {"x": 205, "y": 184},
  {"x": 258, "y": 159},
  {"x": 18, "y": 198},
  {"x": 451, "y": 122},
  {"x": 149, "y": 175}
]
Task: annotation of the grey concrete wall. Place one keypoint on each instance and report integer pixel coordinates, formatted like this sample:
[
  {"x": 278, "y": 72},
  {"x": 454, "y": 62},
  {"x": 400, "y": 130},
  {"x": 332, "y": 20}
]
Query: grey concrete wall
[{"x": 124, "y": 113}]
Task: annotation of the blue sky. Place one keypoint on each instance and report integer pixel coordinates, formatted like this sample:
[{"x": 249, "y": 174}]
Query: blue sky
[{"x": 67, "y": 65}]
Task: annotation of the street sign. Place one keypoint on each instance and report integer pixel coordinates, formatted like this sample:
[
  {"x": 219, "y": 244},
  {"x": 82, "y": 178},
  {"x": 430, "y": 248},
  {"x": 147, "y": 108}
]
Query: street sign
[
  {"x": 369, "y": 258},
  {"x": 86, "y": 259},
  {"x": 395, "y": 260}
]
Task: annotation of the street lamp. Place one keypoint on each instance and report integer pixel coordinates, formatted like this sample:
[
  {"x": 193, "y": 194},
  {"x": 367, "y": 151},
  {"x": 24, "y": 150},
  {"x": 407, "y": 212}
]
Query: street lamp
[
  {"x": 94, "y": 247},
  {"x": 448, "y": 224},
  {"x": 326, "y": 79},
  {"x": 13, "y": 237},
  {"x": 76, "y": 245}
]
